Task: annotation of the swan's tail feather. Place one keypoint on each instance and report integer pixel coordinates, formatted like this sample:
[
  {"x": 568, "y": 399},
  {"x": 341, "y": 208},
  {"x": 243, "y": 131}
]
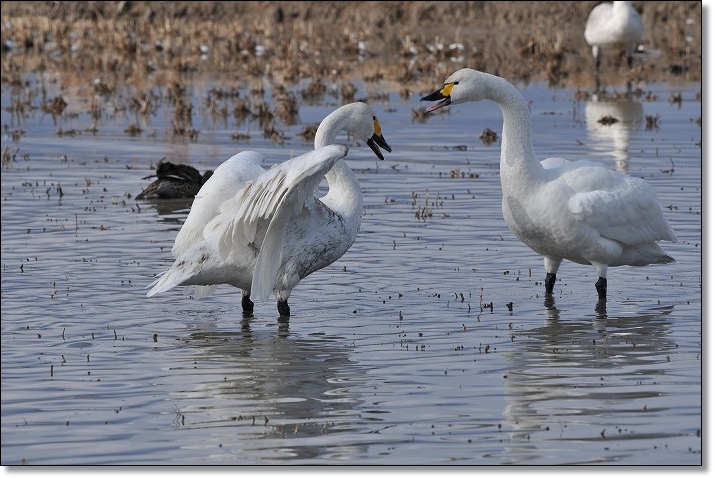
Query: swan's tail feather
[
  {"x": 643, "y": 255},
  {"x": 157, "y": 277},
  {"x": 177, "y": 275}
]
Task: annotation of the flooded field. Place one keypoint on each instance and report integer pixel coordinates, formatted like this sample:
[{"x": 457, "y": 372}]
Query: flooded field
[{"x": 429, "y": 342}]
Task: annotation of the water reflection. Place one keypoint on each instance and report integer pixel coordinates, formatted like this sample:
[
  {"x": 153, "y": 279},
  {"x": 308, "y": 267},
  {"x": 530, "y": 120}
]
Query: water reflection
[
  {"x": 286, "y": 395},
  {"x": 567, "y": 371},
  {"x": 600, "y": 319},
  {"x": 611, "y": 121},
  {"x": 82, "y": 262},
  {"x": 173, "y": 211}
]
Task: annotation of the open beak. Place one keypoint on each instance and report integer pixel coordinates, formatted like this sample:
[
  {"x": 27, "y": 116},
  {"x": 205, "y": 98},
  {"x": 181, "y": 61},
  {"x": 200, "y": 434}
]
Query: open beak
[
  {"x": 442, "y": 96},
  {"x": 377, "y": 141}
]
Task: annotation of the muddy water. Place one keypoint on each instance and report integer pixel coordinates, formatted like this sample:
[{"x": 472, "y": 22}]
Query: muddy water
[{"x": 429, "y": 342}]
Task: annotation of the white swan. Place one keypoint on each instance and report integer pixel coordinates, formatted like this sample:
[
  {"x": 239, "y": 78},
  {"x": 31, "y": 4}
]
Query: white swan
[
  {"x": 264, "y": 231},
  {"x": 613, "y": 26},
  {"x": 581, "y": 210}
]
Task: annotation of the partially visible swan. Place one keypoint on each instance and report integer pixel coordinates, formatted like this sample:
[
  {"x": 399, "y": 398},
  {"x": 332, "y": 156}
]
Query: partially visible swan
[
  {"x": 581, "y": 211},
  {"x": 264, "y": 231},
  {"x": 615, "y": 25},
  {"x": 174, "y": 181}
]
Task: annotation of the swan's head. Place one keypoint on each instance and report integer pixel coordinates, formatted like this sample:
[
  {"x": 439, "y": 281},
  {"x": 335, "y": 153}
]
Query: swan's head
[
  {"x": 462, "y": 86},
  {"x": 355, "y": 118}
]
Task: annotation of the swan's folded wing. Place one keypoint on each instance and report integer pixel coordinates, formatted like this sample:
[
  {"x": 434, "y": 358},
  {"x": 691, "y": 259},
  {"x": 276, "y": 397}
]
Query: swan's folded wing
[
  {"x": 627, "y": 212},
  {"x": 266, "y": 207},
  {"x": 227, "y": 180}
]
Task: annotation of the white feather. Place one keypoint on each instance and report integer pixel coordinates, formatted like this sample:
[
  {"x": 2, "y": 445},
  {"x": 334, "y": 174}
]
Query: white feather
[
  {"x": 292, "y": 188},
  {"x": 231, "y": 176}
]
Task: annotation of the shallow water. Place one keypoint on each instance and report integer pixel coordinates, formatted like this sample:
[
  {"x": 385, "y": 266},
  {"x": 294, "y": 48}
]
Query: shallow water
[{"x": 429, "y": 342}]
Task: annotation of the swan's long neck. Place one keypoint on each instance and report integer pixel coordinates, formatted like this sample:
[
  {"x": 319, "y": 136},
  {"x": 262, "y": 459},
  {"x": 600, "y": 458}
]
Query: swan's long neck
[
  {"x": 518, "y": 159},
  {"x": 345, "y": 194}
]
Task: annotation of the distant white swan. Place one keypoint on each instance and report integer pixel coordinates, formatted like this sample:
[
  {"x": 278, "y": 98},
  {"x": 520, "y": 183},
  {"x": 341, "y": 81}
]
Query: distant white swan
[
  {"x": 581, "y": 211},
  {"x": 615, "y": 25},
  {"x": 264, "y": 231}
]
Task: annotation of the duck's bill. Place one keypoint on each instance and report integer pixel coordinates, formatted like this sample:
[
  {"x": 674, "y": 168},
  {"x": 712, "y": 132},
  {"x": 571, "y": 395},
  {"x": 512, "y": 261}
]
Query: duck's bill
[
  {"x": 437, "y": 96},
  {"x": 377, "y": 141}
]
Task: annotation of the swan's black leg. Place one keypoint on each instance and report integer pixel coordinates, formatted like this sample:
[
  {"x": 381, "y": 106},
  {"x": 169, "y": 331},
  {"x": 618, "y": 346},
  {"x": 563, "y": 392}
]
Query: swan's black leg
[
  {"x": 283, "y": 308},
  {"x": 601, "y": 286},
  {"x": 629, "y": 73},
  {"x": 549, "y": 283},
  {"x": 246, "y": 303}
]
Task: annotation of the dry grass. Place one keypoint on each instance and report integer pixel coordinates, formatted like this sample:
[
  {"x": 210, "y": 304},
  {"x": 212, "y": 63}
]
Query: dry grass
[
  {"x": 399, "y": 43},
  {"x": 125, "y": 51}
]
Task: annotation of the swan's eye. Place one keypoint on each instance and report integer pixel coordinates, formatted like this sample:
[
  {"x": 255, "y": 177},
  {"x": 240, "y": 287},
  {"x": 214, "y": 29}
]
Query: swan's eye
[{"x": 456, "y": 82}]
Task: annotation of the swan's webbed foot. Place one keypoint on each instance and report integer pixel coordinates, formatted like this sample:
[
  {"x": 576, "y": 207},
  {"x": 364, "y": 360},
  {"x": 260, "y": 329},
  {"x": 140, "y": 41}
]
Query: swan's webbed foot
[
  {"x": 549, "y": 283},
  {"x": 283, "y": 308},
  {"x": 601, "y": 286},
  {"x": 246, "y": 303}
]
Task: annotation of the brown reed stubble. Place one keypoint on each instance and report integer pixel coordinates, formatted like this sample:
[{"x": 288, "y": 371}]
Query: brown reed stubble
[{"x": 405, "y": 46}]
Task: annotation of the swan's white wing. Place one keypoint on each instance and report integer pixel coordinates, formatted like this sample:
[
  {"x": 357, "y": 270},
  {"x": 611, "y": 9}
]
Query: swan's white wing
[
  {"x": 228, "y": 178},
  {"x": 619, "y": 207},
  {"x": 266, "y": 207},
  {"x": 299, "y": 189}
]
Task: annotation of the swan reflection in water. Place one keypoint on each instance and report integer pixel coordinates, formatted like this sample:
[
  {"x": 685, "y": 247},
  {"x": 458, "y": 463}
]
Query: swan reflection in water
[
  {"x": 611, "y": 121},
  {"x": 586, "y": 379},
  {"x": 285, "y": 395}
]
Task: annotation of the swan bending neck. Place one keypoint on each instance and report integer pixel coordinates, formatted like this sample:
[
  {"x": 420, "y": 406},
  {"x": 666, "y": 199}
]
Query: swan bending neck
[{"x": 345, "y": 194}]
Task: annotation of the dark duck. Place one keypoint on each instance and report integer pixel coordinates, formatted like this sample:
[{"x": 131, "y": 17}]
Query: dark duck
[{"x": 174, "y": 181}]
